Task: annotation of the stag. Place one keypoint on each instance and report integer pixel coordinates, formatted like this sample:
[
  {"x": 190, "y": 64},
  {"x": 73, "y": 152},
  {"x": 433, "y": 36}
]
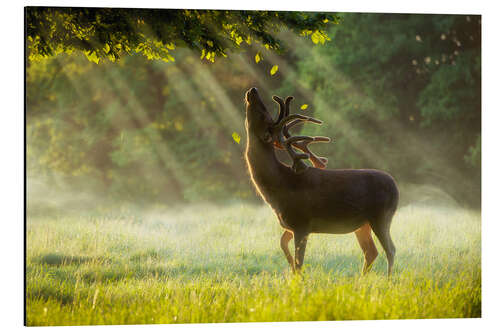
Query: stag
[{"x": 312, "y": 199}]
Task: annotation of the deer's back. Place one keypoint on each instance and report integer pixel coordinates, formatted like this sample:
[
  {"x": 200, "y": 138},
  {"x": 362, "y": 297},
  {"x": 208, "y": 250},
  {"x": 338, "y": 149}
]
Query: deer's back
[{"x": 333, "y": 201}]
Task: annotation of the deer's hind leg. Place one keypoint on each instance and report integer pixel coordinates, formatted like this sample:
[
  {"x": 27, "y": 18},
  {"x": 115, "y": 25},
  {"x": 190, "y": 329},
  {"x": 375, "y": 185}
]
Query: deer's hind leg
[
  {"x": 365, "y": 240},
  {"x": 382, "y": 231},
  {"x": 285, "y": 239}
]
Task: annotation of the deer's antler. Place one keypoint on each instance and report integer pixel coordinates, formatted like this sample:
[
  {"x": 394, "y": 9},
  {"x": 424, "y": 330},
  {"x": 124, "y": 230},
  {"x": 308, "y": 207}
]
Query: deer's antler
[
  {"x": 284, "y": 109},
  {"x": 284, "y": 140}
]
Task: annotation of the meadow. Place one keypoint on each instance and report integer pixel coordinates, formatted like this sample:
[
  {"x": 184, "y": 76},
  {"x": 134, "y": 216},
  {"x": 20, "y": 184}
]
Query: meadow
[{"x": 207, "y": 264}]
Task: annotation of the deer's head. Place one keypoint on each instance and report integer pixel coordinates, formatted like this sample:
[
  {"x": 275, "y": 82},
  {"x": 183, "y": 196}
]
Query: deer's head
[
  {"x": 258, "y": 120},
  {"x": 276, "y": 132}
]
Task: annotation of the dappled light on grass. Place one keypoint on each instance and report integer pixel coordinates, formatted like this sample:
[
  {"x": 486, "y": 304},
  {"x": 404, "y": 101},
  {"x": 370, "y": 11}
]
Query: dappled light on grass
[{"x": 204, "y": 263}]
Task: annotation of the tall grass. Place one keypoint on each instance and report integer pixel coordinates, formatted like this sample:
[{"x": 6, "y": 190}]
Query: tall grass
[{"x": 224, "y": 264}]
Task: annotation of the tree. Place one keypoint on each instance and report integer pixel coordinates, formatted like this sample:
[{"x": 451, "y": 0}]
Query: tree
[{"x": 111, "y": 32}]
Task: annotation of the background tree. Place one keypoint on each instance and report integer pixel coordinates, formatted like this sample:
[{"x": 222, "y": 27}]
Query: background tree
[{"x": 402, "y": 92}]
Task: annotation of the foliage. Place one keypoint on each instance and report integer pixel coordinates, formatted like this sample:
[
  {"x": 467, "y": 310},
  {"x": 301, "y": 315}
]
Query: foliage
[
  {"x": 273, "y": 70},
  {"x": 177, "y": 266},
  {"x": 109, "y": 33}
]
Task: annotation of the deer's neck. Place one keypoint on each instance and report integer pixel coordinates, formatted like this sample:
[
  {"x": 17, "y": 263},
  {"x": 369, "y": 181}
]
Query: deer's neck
[{"x": 265, "y": 168}]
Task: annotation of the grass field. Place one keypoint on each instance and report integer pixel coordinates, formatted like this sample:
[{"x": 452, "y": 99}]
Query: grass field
[{"x": 224, "y": 264}]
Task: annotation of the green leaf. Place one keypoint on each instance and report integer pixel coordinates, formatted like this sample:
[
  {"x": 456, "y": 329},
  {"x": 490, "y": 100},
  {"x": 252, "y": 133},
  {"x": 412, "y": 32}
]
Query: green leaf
[
  {"x": 236, "y": 137},
  {"x": 210, "y": 56},
  {"x": 170, "y": 58},
  {"x": 92, "y": 56},
  {"x": 316, "y": 37},
  {"x": 274, "y": 70},
  {"x": 319, "y": 37},
  {"x": 304, "y": 106},
  {"x": 257, "y": 57}
]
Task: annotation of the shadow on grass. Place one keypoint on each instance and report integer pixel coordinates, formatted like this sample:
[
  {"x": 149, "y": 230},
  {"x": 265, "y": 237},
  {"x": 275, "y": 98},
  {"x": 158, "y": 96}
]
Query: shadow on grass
[
  {"x": 64, "y": 272},
  {"x": 162, "y": 265},
  {"x": 340, "y": 265},
  {"x": 150, "y": 254},
  {"x": 55, "y": 259}
]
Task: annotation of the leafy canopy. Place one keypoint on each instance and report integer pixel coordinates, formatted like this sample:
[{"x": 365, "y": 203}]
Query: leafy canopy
[{"x": 112, "y": 32}]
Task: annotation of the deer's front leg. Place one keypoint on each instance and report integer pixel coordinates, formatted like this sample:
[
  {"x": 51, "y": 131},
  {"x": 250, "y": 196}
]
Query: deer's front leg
[
  {"x": 285, "y": 239},
  {"x": 300, "y": 239}
]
